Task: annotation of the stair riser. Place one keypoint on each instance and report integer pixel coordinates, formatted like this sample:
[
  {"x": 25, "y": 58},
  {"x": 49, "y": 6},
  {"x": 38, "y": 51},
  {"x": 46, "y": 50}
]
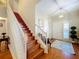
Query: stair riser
[
  {"x": 32, "y": 42},
  {"x": 31, "y": 38},
  {"x": 27, "y": 31},
  {"x": 33, "y": 49},
  {"x": 30, "y": 34},
  {"x": 25, "y": 28},
  {"x": 38, "y": 56},
  {"x": 31, "y": 46}
]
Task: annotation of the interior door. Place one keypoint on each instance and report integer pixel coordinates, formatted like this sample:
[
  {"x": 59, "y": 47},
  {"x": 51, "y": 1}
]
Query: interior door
[{"x": 58, "y": 30}]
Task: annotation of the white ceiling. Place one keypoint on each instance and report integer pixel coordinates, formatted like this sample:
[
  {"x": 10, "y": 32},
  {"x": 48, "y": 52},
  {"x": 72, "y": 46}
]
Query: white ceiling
[{"x": 48, "y": 7}]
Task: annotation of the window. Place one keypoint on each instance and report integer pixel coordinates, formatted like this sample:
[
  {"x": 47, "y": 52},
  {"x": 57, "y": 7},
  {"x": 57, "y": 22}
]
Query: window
[{"x": 66, "y": 31}]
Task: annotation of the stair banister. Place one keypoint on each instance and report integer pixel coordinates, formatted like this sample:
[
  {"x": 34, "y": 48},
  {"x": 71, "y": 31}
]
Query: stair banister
[
  {"x": 42, "y": 32},
  {"x": 43, "y": 45}
]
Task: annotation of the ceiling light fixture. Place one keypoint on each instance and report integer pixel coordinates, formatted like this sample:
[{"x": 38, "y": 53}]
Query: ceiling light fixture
[
  {"x": 61, "y": 16},
  {"x": 60, "y": 11}
]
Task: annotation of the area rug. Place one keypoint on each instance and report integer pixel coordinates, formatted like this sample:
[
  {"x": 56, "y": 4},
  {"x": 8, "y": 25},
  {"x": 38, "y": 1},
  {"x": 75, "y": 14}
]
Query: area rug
[{"x": 64, "y": 46}]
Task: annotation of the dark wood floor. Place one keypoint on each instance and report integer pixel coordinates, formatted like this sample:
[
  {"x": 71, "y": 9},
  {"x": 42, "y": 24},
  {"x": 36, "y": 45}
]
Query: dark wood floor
[
  {"x": 58, "y": 54},
  {"x": 5, "y": 55}
]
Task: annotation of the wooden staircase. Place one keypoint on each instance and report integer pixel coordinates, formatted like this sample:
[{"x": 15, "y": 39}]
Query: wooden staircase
[{"x": 33, "y": 48}]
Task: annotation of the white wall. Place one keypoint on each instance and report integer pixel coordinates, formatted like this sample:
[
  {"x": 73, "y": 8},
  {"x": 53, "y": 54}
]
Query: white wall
[
  {"x": 3, "y": 28},
  {"x": 17, "y": 40},
  {"x": 56, "y": 27},
  {"x": 72, "y": 18},
  {"x": 3, "y": 11},
  {"x": 3, "y": 20},
  {"x": 27, "y": 10}
]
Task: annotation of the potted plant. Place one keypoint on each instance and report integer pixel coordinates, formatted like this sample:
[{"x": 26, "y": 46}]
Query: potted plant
[{"x": 73, "y": 33}]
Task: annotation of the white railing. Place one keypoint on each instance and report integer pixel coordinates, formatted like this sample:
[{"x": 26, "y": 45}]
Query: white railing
[
  {"x": 41, "y": 30},
  {"x": 41, "y": 33},
  {"x": 17, "y": 37},
  {"x": 42, "y": 37}
]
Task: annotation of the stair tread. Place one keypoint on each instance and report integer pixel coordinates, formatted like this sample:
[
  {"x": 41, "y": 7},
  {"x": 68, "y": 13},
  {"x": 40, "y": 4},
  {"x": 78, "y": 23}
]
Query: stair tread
[
  {"x": 33, "y": 49},
  {"x": 32, "y": 46},
  {"x": 31, "y": 38},
  {"x": 35, "y": 53},
  {"x": 25, "y": 28},
  {"x": 30, "y": 42},
  {"x": 29, "y": 34}
]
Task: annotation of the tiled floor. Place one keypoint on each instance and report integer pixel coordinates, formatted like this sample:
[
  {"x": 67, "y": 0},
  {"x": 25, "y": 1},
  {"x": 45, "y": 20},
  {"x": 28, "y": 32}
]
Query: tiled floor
[{"x": 57, "y": 54}]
